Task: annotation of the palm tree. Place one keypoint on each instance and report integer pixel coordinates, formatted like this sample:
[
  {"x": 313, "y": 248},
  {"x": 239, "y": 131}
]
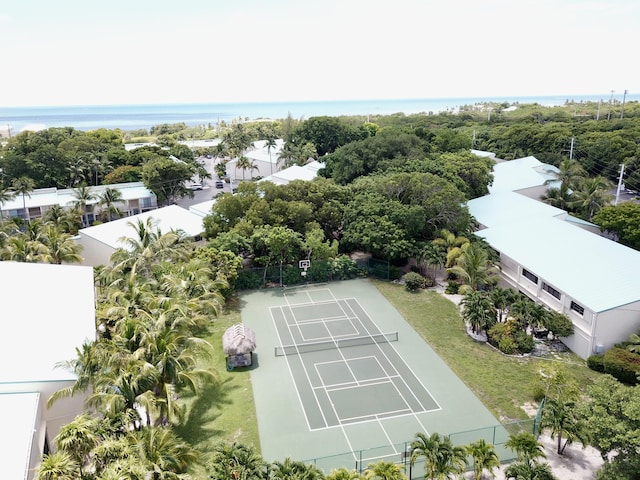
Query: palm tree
[
  {"x": 83, "y": 195},
  {"x": 441, "y": 457},
  {"x": 244, "y": 164},
  {"x": 162, "y": 453},
  {"x": 60, "y": 217},
  {"x": 287, "y": 155},
  {"x": 569, "y": 173},
  {"x": 61, "y": 248},
  {"x": 590, "y": 196},
  {"x": 236, "y": 461},
  {"x": 343, "y": 473},
  {"x": 290, "y": 469},
  {"x": 19, "y": 248},
  {"x": 5, "y": 196},
  {"x": 484, "y": 458},
  {"x": 526, "y": 447},
  {"x": 23, "y": 186},
  {"x": 78, "y": 438},
  {"x": 58, "y": 466},
  {"x": 502, "y": 299},
  {"x": 384, "y": 471},
  {"x": 432, "y": 254},
  {"x": 270, "y": 143},
  {"x": 525, "y": 471},
  {"x": 478, "y": 311},
  {"x": 109, "y": 198},
  {"x": 558, "y": 197},
  {"x": 474, "y": 267},
  {"x": 561, "y": 418},
  {"x": 451, "y": 244}
]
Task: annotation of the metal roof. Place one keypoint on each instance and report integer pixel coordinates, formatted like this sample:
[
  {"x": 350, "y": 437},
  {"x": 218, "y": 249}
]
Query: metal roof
[
  {"x": 48, "y": 312},
  {"x": 521, "y": 173},
  {"x": 506, "y": 207},
  {"x": 597, "y": 272},
  {"x": 167, "y": 218}
]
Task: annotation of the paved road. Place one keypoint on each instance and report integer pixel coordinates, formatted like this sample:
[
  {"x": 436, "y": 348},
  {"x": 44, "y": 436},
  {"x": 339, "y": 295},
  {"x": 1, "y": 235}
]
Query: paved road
[{"x": 209, "y": 190}]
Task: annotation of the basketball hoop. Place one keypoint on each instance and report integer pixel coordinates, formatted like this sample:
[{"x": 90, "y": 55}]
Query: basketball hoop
[{"x": 304, "y": 265}]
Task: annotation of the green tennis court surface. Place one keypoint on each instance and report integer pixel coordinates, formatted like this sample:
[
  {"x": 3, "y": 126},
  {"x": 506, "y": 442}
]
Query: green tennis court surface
[{"x": 342, "y": 376}]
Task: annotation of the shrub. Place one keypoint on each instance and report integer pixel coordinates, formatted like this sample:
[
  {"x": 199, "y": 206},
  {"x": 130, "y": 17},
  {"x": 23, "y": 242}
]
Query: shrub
[
  {"x": 596, "y": 363},
  {"x": 622, "y": 364},
  {"x": 452, "y": 287},
  {"x": 413, "y": 281},
  {"x": 524, "y": 342},
  {"x": 558, "y": 323},
  {"x": 248, "y": 280},
  {"x": 395, "y": 273},
  {"x": 507, "y": 345},
  {"x": 343, "y": 268},
  {"x": 509, "y": 338}
]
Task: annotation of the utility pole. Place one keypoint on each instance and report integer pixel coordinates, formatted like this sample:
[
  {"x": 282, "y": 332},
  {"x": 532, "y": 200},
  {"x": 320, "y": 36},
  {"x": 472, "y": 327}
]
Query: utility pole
[
  {"x": 619, "y": 184},
  {"x": 599, "y": 104},
  {"x": 571, "y": 149},
  {"x": 624, "y": 97},
  {"x": 610, "y": 102}
]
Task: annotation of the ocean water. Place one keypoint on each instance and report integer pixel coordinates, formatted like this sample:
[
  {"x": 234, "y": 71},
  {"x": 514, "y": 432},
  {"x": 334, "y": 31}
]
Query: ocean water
[{"x": 131, "y": 117}]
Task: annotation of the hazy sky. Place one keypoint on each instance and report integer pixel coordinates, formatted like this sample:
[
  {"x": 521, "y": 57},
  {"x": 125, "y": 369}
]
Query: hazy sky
[{"x": 69, "y": 52}]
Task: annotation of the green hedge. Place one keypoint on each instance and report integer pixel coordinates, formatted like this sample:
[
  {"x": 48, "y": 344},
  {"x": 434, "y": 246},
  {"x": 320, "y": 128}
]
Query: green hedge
[{"x": 622, "y": 364}]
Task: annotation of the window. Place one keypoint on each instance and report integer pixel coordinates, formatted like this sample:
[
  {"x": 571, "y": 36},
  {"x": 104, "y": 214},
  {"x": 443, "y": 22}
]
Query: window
[
  {"x": 550, "y": 290},
  {"x": 530, "y": 276},
  {"x": 579, "y": 309}
]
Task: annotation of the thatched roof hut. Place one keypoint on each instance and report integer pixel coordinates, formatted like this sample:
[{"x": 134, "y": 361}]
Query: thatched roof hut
[{"x": 238, "y": 340}]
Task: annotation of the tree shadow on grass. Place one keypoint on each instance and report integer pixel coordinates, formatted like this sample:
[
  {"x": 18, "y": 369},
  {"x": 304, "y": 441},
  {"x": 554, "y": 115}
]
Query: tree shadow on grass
[{"x": 202, "y": 411}]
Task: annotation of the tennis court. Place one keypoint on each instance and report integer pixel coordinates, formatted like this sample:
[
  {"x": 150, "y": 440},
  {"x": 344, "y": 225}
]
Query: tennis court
[{"x": 342, "y": 376}]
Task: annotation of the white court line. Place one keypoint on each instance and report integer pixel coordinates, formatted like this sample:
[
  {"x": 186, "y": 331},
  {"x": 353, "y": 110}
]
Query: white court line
[
  {"x": 294, "y": 380},
  {"x": 376, "y": 416},
  {"x": 393, "y": 366},
  {"x": 358, "y": 385},
  {"x": 403, "y": 361}
]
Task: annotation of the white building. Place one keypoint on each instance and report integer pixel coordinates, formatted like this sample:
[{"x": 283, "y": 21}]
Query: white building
[
  {"x": 48, "y": 311},
  {"x": 99, "y": 242},
  {"x": 283, "y": 177},
  {"x": 265, "y": 160},
  {"x": 136, "y": 198},
  {"x": 560, "y": 261}
]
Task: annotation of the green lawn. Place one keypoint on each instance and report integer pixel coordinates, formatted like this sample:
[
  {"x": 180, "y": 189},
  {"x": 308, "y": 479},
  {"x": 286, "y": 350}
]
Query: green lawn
[
  {"x": 502, "y": 383},
  {"x": 226, "y": 411}
]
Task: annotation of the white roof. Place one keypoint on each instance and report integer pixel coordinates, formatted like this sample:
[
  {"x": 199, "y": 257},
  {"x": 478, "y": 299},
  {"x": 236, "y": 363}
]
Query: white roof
[
  {"x": 520, "y": 173},
  {"x": 48, "y": 312},
  {"x": 66, "y": 198},
  {"x": 18, "y": 414},
  {"x": 259, "y": 152},
  {"x": 295, "y": 172},
  {"x": 166, "y": 218},
  {"x": 482, "y": 153},
  {"x": 202, "y": 209},
  {"x": 507, "y": 207},
  {"x": 599, "y": 273}
]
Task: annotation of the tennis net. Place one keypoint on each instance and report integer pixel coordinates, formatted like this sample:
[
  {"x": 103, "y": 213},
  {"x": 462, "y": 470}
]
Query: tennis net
[{"x": 335, "y": 344}]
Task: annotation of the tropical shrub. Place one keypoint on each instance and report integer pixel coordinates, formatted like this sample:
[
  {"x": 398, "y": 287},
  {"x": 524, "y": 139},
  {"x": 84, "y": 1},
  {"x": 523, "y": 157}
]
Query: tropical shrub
[
  {"x": 622, "y": 364},
  {"x": 344, "y": 268},
  {"x": 452, "y": 287},
  {"x": 248, "y": 280},
  {"x": 558, "y": 323},
  {"x": 509, "y": 338},
  {"x": 413, "y": 281},
  {"x": 596, "y": 363}
]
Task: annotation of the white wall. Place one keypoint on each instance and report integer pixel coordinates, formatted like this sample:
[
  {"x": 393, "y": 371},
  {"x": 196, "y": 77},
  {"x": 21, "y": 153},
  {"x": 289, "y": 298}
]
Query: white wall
[{"x": 94, "y": 253}]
